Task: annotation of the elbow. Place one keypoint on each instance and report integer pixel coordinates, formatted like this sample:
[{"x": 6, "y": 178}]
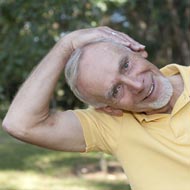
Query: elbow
[
  {"x": 6, "y": 125},
  {"x": 12, "y": 128}
]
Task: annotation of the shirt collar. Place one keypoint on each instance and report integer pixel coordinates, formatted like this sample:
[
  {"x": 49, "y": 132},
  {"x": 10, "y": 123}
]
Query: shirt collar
[{"x": 184, "y": 98}]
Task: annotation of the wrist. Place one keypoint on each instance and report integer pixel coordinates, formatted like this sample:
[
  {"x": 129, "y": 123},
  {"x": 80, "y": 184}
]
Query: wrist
[{"x": 62, "y": 50}]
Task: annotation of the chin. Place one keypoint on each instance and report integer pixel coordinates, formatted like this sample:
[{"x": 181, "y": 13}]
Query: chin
[{"x": 165, "y": 95}]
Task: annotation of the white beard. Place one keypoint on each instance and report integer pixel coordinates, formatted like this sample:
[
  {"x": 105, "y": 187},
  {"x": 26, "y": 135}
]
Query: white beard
[{"x": 165, "y": 94}]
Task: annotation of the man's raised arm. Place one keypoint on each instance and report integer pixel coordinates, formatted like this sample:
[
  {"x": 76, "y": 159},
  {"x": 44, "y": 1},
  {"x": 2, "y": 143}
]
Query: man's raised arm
[{"x": 29, "y": 117}]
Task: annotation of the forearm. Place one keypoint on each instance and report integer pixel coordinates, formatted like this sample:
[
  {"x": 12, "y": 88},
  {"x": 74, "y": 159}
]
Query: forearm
[{"x": 31, "y": 104}]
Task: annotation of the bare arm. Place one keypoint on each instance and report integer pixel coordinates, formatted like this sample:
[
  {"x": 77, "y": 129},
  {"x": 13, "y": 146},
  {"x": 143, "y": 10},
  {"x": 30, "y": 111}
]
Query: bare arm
[{"x": 29, "y": 117}]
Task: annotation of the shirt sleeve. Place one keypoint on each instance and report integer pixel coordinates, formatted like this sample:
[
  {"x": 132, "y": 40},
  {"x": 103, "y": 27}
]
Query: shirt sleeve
[{"x": 101, "y": 131}]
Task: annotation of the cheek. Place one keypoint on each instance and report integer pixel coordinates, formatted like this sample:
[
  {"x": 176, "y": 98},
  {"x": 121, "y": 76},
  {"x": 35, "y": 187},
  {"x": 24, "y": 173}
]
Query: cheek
[{"x": 127, "y": 101}]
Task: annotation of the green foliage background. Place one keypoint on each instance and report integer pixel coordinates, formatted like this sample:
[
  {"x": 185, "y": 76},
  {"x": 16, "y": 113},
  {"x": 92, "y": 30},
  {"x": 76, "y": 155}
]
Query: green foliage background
[{"x": 29, "y": 28}]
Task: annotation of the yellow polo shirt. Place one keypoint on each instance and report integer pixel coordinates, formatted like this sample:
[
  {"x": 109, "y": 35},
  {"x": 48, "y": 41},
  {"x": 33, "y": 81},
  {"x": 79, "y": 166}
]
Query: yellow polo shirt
[{"x": 154, "y": 150}]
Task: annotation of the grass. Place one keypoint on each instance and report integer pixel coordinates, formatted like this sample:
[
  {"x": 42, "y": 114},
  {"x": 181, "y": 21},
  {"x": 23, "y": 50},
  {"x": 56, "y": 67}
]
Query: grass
[{"x": 27, "y": 167}]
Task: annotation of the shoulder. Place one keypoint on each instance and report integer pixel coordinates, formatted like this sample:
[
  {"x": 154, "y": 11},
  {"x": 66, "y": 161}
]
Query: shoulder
[{"x": 92, "y": 115}]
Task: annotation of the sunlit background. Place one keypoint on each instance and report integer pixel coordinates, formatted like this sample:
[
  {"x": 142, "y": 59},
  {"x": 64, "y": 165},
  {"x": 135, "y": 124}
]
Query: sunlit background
[{"x": 28, "y": 30}]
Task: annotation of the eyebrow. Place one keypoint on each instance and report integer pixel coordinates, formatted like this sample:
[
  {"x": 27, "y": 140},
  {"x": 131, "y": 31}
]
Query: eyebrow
[
  {"x": 109, "y": 94},
  {"x": 122, "y": 62}
]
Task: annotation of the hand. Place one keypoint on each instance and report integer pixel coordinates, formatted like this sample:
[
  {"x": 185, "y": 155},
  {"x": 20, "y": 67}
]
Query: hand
[{"x": 82, "y": 37}]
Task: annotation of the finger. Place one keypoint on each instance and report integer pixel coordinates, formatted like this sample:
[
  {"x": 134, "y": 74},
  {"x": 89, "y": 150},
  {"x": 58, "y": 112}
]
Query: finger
[
  {"x": 144, "y": 54},
  {"x": 126, "y": 37},
  {"x": 134, "y": 44},
  {"x": 123, "y": 38},
  {"x": 120, "y": 37},
  {"x": 114, "y": 35},
  {"x": 135, "y": 47}
]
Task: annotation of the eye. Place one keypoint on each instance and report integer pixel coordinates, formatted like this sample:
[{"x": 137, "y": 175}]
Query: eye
[
  {"x": 116, "y": 91},
  {"x": 125, "y": 65}
]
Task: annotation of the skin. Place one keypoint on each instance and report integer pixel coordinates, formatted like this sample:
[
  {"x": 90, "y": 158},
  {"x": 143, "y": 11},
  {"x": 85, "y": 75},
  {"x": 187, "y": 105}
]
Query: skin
[
  {"x": 124, "y": 80},
  {"x": 29, "y": 117}
]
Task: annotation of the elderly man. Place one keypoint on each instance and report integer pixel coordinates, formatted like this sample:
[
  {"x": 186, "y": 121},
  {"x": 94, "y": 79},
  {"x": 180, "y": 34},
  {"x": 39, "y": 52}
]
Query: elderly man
[{"x": 140, "y": 114}]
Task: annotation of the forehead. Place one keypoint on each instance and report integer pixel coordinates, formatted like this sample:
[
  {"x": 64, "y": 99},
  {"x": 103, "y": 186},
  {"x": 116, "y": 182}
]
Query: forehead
[
  {"x": 100, "y": 54},
  {"x": 98, "y": 65},
  {"x": 104, "y": 48}
]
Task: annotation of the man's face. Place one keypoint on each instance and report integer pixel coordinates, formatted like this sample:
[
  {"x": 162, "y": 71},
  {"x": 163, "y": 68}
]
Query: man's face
[{"x": 122, "y": 79}]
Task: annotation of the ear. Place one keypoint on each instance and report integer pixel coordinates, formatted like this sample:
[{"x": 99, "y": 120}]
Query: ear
[{"x": 111, "y": 111}]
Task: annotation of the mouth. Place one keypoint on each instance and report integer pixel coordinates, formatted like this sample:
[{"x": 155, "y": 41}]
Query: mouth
[{"x": 150, "y": 91}]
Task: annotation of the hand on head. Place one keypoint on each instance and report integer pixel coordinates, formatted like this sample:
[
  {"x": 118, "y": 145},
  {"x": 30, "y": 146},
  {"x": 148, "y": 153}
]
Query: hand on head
[{"x": 80, "y": 38}]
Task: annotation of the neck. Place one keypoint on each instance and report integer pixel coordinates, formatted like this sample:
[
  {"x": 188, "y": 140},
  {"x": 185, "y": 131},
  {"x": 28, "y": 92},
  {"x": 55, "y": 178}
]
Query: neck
[{"x": 178, "y": 87}]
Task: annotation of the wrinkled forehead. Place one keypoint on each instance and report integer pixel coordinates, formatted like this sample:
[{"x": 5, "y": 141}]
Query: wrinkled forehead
[
  {"x": 100, "y": 57},
  {"x": 102, "y": 51},
  {"x": 98, "y": 63},
  {"x": 104, "y": 46}
]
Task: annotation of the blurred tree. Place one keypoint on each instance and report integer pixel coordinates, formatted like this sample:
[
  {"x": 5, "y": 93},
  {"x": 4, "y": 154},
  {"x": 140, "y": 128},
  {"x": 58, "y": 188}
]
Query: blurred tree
[
  {"x": 30, "y": 28},
  {"x": 164, "y": 26}
]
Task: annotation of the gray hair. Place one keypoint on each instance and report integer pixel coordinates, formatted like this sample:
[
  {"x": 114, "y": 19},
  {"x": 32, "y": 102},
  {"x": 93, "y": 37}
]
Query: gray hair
[
  {"x": 71, "y": 76},
  {"x": 71, "y": 73}
]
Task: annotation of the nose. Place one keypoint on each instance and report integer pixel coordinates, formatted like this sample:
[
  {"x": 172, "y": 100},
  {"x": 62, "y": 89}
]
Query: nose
[{"x": 133, "y": 84}]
